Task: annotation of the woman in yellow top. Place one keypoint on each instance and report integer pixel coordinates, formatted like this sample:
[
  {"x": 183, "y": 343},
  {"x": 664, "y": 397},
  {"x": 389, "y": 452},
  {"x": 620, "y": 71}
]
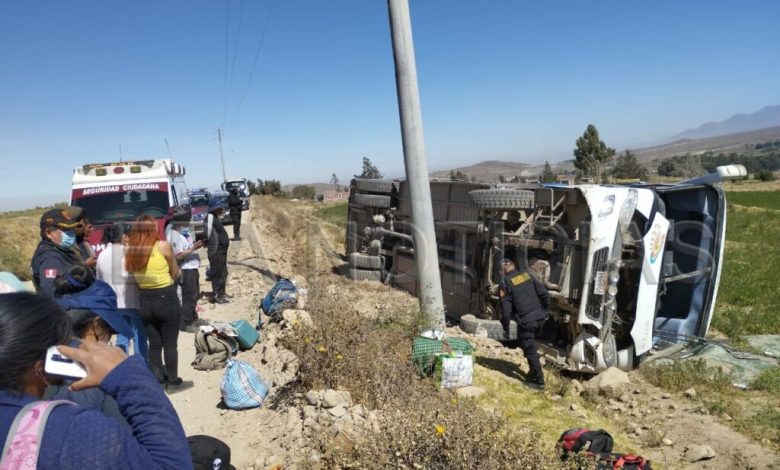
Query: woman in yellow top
[{"x": 154, "y": 267}]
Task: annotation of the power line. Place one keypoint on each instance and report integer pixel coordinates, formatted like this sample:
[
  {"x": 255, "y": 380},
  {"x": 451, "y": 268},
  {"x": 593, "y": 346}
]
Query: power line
[
  {"x": 232, "y": 75},
  {"x": 227, "y": 58},
  {"x": 254, "y": 62}
]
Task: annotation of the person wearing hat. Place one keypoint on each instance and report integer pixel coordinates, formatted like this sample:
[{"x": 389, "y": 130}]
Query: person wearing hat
[
  {"x": 54, "y": 254},
  {"x": 525, "y": 300},
  {"x": 82, "y": 230},
  {"x": 217, "y": 244},
  {"x": 91, "y": 306}
]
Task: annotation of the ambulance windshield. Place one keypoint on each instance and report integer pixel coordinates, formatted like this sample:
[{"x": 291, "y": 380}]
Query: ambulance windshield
[{"x": 105, "y": 205}]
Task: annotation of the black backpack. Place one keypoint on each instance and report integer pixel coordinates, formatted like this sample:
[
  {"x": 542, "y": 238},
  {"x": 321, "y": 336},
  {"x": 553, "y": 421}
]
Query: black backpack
[
  {"x": 578, "y": 439},
  {"x": 597, "y": 445}
]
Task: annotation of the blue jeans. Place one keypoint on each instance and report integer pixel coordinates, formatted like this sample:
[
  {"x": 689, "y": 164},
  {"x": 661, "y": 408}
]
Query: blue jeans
[{"x": 140, "y": 340}]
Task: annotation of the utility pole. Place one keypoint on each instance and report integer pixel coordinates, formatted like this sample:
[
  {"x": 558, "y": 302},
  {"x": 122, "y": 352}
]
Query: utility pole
[
  {"x": 423, "y": 231},
  {"x": 221, "y": 155}
]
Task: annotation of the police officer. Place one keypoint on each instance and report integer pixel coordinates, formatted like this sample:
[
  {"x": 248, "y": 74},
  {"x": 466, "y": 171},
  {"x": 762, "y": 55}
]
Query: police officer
[
  {"x": 54, "y": 254},
  {"x": 525, "y": 300},
  {"x": 235, "y": 203}
]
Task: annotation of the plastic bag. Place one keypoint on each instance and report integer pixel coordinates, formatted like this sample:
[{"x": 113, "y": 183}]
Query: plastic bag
[{"x": 242, "y": 386}]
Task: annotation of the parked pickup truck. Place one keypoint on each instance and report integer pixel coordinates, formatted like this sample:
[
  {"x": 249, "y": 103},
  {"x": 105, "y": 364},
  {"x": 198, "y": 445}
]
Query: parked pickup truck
[{"x": 629, "y": 267}]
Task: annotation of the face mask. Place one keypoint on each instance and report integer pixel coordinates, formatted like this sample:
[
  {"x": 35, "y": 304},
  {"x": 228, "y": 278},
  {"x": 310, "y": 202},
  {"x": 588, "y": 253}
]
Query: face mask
[{"x": 68, "y": 239}]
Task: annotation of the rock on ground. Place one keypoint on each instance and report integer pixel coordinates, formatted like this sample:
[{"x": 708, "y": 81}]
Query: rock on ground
[
  {"x": 610, "y": 382},
  {"x": 697, "y": 452}
]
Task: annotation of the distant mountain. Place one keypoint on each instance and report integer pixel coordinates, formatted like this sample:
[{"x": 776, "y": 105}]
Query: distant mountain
[
  {"x": 488, "y": 170},
  {"x": 740, "y": 142},
  {"x": 768, "y": 116}
]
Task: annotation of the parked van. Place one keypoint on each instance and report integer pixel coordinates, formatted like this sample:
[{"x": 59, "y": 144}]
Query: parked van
[
  {"x": 629, "y": 267},
  {"x": 124, "y": 191}
]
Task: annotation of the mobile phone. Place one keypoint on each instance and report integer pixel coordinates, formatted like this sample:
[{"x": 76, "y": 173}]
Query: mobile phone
[{"x": 61, "y": 366}]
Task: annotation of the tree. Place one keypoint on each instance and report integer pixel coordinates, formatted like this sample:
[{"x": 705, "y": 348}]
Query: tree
[
  {"x": 251, "y": 187},
  {"x": 628, "y": 167},
  {"x": 334, "y": 180},
  {"x": 269, "y": 187},
  {"x": 501, "y": 179},
  {"x": 548, "y": 176},
  {"x": 591, "y": 154},
  {"x": 458, "y": 176},
  {"x": 303, "y": 191},
  {"x": 765, "y": 175},
  {"x": 369, "y": 170}
]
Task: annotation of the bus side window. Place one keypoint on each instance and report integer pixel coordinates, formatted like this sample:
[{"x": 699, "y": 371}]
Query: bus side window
[{"x": 173, "y": 195}]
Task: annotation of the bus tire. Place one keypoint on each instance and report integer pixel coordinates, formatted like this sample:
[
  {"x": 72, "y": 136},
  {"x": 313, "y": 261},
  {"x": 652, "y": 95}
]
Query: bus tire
[
  {"x": 361, "y": 261},
  {"x": 365, "y": 275},
  {"x": 371, "y": 200},
  {"x": 374, "y": 185},
  {"x": 502, "y": 198},
  {"x": 495, "y": 330}
]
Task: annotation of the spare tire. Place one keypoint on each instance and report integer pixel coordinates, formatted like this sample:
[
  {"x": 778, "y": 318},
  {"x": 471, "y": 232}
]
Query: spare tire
[
  {"x": 359, "y": 260},
  {"x": 502, "y": 198},
  {"x": 373, "y": 185},
  {"x": 495, "y": 330},
  {"x": 371, "y": 200},
  {"x": 365, "y": 275}
]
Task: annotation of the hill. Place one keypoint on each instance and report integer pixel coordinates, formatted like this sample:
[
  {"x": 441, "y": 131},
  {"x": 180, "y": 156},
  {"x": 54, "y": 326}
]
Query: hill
[
  {"x": 768, "y": 116},
  {"x": 490, "y": 170},
  {"x": 740, "y": 142}
]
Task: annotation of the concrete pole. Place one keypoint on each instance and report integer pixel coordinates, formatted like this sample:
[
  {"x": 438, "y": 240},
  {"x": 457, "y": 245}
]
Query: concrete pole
[{"x": 423, "y": 233}]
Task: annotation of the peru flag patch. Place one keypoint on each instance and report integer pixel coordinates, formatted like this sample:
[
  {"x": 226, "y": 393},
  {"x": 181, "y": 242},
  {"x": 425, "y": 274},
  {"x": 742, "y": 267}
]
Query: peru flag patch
[{"x": 50, "y": 273}]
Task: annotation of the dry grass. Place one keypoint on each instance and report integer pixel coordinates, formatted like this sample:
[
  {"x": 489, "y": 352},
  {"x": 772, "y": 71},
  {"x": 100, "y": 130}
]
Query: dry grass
[
  {"x": 419, "y": 426},
  {"x": 19, "y": 235}
]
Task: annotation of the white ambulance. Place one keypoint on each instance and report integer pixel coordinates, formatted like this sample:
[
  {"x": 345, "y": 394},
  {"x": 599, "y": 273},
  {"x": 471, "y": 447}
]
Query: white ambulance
[{"x": 124, "y": 191}]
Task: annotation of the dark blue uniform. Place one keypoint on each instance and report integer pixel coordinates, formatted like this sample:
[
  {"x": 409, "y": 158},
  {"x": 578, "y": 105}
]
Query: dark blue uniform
[
  {"x": 48, "y": 261},
  {"x": 525, "y": 300}
]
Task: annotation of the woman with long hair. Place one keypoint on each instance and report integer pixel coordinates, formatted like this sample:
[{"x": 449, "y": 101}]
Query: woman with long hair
[
  {"x": 76, "y": 436},
  {"x": 154, "y": 267}
]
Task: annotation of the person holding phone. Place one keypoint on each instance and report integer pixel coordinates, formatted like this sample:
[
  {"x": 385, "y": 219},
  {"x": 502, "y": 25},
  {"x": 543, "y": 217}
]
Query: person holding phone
[
  {"x": 76, "y": 436},
  {"x": 91, "y": 306},
  {"x": 185, "y": 250}
]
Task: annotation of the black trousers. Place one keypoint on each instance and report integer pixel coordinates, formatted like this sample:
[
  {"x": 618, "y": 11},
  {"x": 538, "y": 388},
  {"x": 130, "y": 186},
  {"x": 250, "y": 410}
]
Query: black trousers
[
  {"x": 218, "y": 262},
  {"x": 526, "y": 335},
  {"x": 190, "y": 291},
  {"x": 161, "y": 314},
  {"x": 236, "y": 218}
]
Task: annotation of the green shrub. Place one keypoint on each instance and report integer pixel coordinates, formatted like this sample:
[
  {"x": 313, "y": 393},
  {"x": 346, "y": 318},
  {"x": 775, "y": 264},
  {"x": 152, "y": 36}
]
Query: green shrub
[
  {"x": 765, "y": 175},
  {"x": 682, "y": 375},
  {"x": 769, "y": 381}
]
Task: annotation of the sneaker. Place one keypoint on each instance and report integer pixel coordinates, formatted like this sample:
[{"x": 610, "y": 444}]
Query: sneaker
[
  {"x": 227, "y": 296},
  {"x": 178, "y": 385},
  {"x": 221, "y": 300}
]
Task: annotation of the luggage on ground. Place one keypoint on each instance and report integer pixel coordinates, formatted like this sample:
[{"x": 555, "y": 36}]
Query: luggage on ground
[
  {"x": 247, "y": 335},
  {"x": 209, "y": 453},
  {"x": 212, "y": 350},
  {"x": 424, "y": 351},
  {"x": 453, "y": 370},
  {"x": 242, "y": 386},
  {"x": 282, "y": 296},
  {"x": 582, "y": 439}
]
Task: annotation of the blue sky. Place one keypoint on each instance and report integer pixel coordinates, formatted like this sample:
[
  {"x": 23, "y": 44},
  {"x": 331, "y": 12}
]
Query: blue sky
[{"x": 503, "y": 80}]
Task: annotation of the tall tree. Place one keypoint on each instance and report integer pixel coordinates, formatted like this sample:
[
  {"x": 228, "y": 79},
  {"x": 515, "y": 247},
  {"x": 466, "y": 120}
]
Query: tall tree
[
  {"x": 548, "y": 176},
  {"x": 369, "y": 170},
  {"x": 628, "y": 167},
  {"x": 592, "y": 154}
]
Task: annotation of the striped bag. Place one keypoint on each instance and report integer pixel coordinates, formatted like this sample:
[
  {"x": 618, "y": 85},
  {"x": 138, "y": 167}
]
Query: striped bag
[{"x": 242, "y": 386}]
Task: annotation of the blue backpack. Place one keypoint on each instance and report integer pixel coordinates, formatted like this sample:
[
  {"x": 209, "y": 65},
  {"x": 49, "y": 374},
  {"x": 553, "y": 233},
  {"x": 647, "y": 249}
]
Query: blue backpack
[{"x": 282, "y": 296}]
